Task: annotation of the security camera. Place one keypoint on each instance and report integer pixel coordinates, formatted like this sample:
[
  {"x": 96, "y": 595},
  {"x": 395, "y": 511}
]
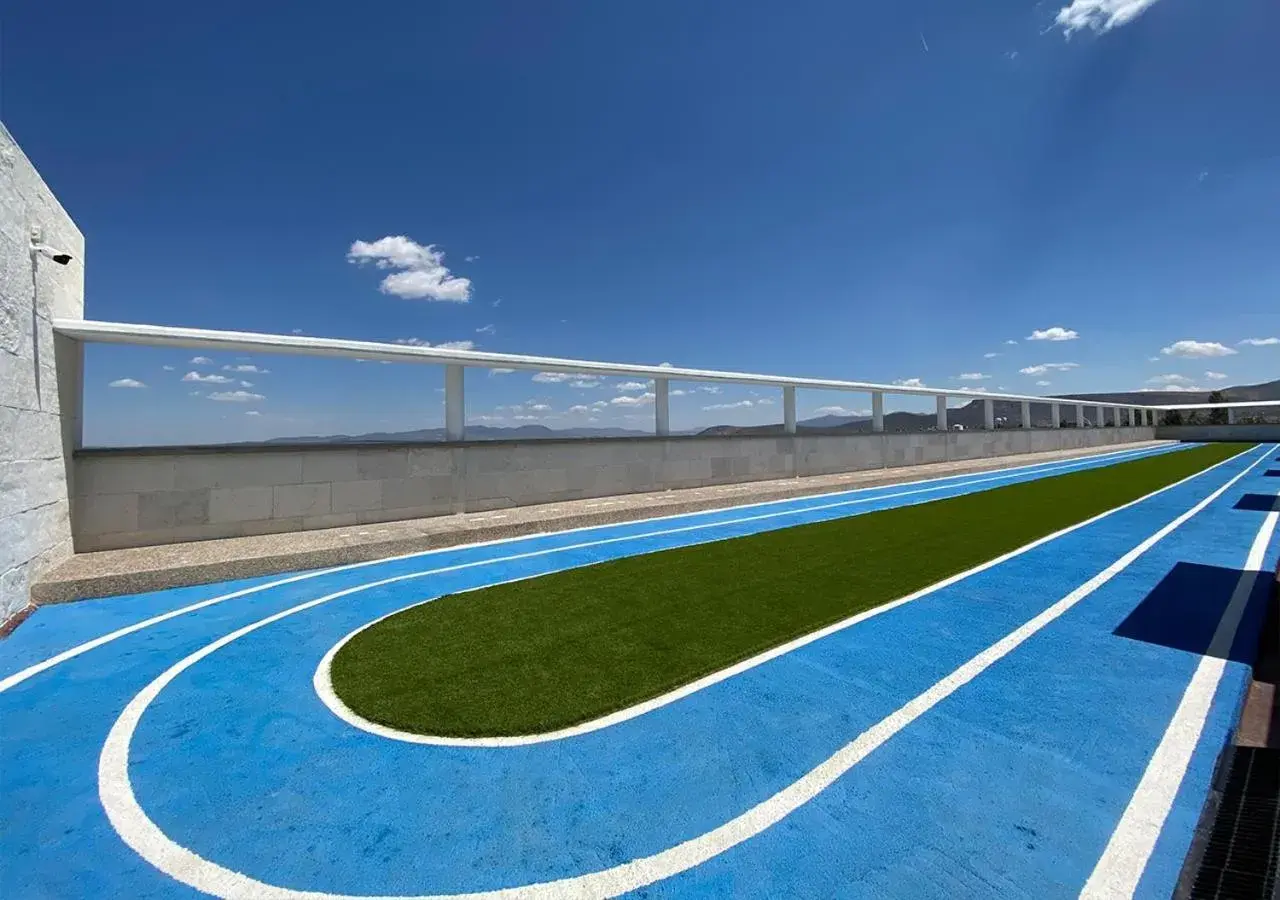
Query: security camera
[{"x": 58, "y": 256}]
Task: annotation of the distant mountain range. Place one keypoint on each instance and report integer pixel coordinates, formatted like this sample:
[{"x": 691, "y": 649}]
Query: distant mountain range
[{"x": 970, "y": 416}]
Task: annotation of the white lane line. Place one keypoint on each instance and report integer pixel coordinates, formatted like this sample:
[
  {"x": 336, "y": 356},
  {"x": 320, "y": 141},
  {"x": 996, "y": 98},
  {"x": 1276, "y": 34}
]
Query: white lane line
[
  {"x": 322, "y": 679},
  {"x": 1125, "y": 858},
  {"x": 33, "y": 670},
  {"x": 136, "y": 829}
]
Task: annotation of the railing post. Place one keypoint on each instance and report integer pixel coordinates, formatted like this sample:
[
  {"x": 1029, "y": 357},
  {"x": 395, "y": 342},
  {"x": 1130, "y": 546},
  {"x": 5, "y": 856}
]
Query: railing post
[
  {"x": 1026, "y": 413},
  {"x": 68, "y": 359},
  {"x": 789, "y": 409},
  {"x": 988, "y": 414},
  {"x": 661, "y": 407},
  {"x": 455, "y": 403},
  {"x": 942, "y": 412},
  {"x": 877, "y": 410},
  {"x": 1056, "y": 411},
  {"x": 1102, "y": 416},
  {"x": 1079, "y": 415},
  {"x": 1231, "y": 416}
]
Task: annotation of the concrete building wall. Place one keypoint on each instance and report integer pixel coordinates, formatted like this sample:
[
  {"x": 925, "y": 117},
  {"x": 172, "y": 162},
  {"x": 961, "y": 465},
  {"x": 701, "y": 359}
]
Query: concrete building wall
[
  {"x": 35, "y": 530},
  {"x": 138, "y": 497},
  {"x": 1259, "y": 433}
]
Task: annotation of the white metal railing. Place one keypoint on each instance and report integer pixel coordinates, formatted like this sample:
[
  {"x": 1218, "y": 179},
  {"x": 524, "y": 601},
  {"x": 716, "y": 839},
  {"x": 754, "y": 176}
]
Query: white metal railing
[{"x": 456, "y": 361}]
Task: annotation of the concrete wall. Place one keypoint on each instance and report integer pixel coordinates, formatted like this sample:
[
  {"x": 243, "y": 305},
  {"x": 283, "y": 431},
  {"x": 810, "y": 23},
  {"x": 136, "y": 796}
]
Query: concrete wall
[
  {"x": 137, "y": 497},
  {"x": 35, "y": 530},
  {"x": 1259, "y": 433}
]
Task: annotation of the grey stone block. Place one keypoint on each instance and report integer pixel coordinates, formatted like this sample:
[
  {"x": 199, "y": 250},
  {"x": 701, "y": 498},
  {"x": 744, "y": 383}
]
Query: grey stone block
[
  {"x": 169, "y": 509},
  {"x": 373, "y": 464},
  {"x": 105, "y": 514},
  {"x": 329, "y": 465},
  {"x": 231, "y": 470},
  {"x": 123, "y": 475},
  {"x": 301, "y": 500},
  {"x": 401, "y": 493},
  {"x": 240, "y": 504},
  {"x": 356, "y": 496},
  {"x": 430, "y": 461}
]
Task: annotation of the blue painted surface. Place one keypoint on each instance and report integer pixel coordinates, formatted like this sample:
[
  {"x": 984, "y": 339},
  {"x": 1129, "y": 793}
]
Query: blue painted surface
[{"x": 1010, "y": 786}]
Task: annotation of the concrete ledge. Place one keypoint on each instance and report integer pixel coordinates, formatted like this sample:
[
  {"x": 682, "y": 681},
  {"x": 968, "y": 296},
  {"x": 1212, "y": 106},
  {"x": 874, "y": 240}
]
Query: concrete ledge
[{"x": 138, "y": 569}]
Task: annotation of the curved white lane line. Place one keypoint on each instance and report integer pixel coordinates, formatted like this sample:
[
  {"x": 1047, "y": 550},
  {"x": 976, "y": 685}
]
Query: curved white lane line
[
  {"x": 322, "y": 679},
  {"x": 33, "y": 670},
  {"x": 146, "y": 838}
]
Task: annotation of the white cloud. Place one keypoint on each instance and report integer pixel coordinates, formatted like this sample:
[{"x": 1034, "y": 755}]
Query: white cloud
[
  {"x": 990, "y": 355},
  {"x": 487, "y": 329},
  {"x": 1153, "y": 359},
  {"x": 296, "y": 331},
  {"x": 247, "y": 368},
  {"x": 1056, "y": 333},
  {"x": 1011, "y": 342},
  {"x": 1049, "y": 367},
  {"x": 235, "y": 397},
  {"x": 633, "y": 386},
  {"x": 665, "y": 365},
  {"x": 201, "y": 361},
  {"x": 126, "y": 383},
  {"x": 554, "y": 377},
  {"x": 580, "y": 410},
  {"x": 1261, "y": 342},
  {"x": 246, "y": 384},
  {"x": 909, "y": 382},
  {"x": 493, "y": 372},
  {"x": 741, "y": 404},
  {"x": 1168, "y": 379},
  {"x": 1040, "y": 383},
  {"x": 1215, "y": 376},
  {"x": 709, "y": 389},
  {"x": 632, "y": 400},
  {"x": 972, "y": 376},
  {"x": 1099, "y": 15},
  {"x": 1196, "y": 349},
  {"x": 252, "y": 412},
  {"x": 840, "y": 411},
  {"x": 676, "y": 392},
  {"x": 423, "y": 276},
  {"x": 193, "y": 393},
  {"x": 600, "y": 404},
  {"x": 167, "y": 368},
  {"x": 537, "y": 407},
  {"x": 207, "y": 379},
  {"x": 765, "y": 402},
  {"x": 585, "y": 383},
  {"x": 472, "y": 258}
]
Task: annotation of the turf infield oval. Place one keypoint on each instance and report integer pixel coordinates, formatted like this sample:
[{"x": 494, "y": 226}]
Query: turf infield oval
[{"x": 553, "y": 651}]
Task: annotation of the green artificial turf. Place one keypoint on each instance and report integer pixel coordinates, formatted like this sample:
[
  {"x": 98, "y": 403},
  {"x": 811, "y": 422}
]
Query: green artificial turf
[{"x": 549, "y": 652}]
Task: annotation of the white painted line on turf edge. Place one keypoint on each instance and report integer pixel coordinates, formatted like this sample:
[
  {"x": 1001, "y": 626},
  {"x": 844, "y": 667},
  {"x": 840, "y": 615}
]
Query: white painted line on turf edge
[
  {"x": 1115, "y": 455},
  {"x": 1125, "y": 858},
  {"x": 322, "y": 680},
  {"x": 142, "y": 834}
]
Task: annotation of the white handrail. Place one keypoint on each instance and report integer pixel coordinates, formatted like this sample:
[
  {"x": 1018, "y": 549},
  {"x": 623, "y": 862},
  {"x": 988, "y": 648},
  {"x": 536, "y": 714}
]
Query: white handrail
[{"x": 455, "y": 360}]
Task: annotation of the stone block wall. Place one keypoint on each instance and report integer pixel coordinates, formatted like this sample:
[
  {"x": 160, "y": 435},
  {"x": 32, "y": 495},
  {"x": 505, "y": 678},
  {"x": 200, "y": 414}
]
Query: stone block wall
[
  {"x": 129, "y": 498},
  {"x": 1263, "y": 433},
  {"x": 35, "y": 530}
]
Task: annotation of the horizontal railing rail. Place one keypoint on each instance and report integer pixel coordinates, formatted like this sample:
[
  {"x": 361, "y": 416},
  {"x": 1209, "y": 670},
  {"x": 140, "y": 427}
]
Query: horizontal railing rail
[{"x": 456, "y": 361}]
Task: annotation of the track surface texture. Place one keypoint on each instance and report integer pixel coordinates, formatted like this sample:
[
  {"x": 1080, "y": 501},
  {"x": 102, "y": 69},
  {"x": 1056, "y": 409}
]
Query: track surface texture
[{"x": 1043, "y": 726}]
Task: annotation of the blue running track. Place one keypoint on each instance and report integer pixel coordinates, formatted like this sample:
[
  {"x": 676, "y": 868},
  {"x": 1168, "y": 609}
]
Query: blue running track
[{"x": 1005, "y": 735}]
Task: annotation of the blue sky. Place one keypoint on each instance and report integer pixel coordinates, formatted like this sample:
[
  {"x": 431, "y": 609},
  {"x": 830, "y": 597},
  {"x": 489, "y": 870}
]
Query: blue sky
[{"x": 869, "y": 191}]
